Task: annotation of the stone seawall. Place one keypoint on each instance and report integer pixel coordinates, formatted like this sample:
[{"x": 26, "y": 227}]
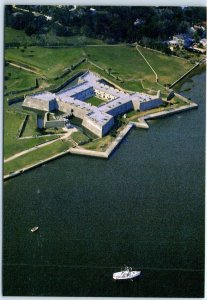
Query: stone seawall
[
  {"x": 81, "y": 151},
  {"x": 182, "y": 98},
  {"x": 170, "y": 111},
  {"x": 184, "y": 75},
  {"x": 109, "y": 150},
  {"x": 118, "y": 139},
  {"x": 23, "y": 170},
  {"x": 86, "y": 152},
  {"x": 141, "y": 124}
]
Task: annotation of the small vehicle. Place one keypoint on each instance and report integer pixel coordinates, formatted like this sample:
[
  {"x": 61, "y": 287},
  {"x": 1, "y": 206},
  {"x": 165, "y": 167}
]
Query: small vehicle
[
  {"x": 126, "y": 274},
  {"x": 34, "y": 229}
]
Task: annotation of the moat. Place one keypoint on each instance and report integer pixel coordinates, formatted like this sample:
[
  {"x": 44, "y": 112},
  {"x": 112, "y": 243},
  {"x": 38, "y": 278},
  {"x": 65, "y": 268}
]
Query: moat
[{"x": 143, "y": 207}]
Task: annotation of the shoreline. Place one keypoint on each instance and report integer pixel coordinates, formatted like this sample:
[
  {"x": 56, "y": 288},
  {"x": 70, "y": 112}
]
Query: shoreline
[{"x": 106, "y": 154}]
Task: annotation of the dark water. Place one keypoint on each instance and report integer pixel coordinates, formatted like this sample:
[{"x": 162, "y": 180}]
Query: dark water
[{"x": 144, "y": 207}]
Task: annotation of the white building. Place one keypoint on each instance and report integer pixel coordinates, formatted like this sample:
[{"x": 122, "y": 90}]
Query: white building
[
  {"x": 179, "y": 39},
  {"x": 203, "y": 42},
  {"x": 98, "y": 120}
]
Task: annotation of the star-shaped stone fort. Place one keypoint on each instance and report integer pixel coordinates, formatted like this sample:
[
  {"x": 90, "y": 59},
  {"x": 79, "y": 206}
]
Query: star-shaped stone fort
[{"x": 98, "y": 120}]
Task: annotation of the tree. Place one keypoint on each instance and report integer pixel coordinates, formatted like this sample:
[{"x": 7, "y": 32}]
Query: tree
[{"x": 196, "y": 37}]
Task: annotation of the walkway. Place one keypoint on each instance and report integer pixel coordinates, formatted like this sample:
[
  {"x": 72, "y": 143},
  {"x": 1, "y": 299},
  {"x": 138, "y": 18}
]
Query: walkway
[
  {"x": 40, "y": 136},
  {"x": 26, "y": 69},
  {"x": 156, "y": 76},
  {"x": 65, "y": 136}
]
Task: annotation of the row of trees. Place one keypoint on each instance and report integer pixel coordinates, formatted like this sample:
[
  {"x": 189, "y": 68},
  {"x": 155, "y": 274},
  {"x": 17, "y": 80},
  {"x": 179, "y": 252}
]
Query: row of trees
[{"x": 112, "y": 24}]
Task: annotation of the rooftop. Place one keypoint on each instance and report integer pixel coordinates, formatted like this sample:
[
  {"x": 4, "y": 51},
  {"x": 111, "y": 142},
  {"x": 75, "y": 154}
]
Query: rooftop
[
  {"x": 90, "y": 80},
  {"x": 45, "y": 96}
]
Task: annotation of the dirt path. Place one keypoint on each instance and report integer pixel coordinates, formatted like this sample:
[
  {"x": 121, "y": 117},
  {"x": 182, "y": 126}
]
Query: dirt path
[
  {"x": 26, "y": 69},
  {"x": 156, "y": 76}
]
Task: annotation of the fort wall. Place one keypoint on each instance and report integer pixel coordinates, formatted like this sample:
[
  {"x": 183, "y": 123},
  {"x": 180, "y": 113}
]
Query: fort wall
[
  {"x": 96, "y": 128},
  {"x": 72, "y": 109},
  {"x": 85, "y": 94},
  {"x": 54, "y": 123},
  {"x": 36, "y": 104},
  {"x": 150, "y": 104},
  {"x": 92, "y": 126},
  {"x": 121, "y": 109}
]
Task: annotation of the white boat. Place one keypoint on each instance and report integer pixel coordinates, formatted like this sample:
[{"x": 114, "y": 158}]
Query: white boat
[
  {"x": 127, "y": 273},
  {"x": 34, "y": 229}
]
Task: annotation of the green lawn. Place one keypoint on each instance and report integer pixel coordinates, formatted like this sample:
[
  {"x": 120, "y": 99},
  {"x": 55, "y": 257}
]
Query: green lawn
[
  {"x": 100, "y": 144},
  {"x": 13, "y": 145},
  {"x": 17, "y": 79},
  {"x": 95, "y": 101},
  {"x": 178, "y": 102},
  {"x": 168, "y": 68},
  {"x": 31, "y": 125},
  {"x": 129, "y": 65},
  {"x": 50, "y": 62},
  {"x": 124, "y": 62},
  {"x": 133, "y": 86},
  {"x": 80, "y": 138},
  {"x": 36, "y": 156}
]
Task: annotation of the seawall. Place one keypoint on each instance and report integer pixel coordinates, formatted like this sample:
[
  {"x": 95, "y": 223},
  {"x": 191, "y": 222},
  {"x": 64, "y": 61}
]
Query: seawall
[
  {"x": 184, "y": 75},
  {"x": 23, "y": 170},
  {"x": 81, "y": 151},
  {"x": 109, "y": 150}
]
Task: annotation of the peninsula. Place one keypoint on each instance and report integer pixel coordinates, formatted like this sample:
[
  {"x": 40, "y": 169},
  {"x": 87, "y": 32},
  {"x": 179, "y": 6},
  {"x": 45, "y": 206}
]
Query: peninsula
[{"x": 105, "y": 113}]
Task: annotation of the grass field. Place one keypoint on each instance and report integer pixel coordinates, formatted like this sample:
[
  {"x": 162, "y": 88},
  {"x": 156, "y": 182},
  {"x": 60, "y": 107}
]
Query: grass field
[
  {"x": 13, "y": 145},
  {"x": 30, "y": 128},
  {"x": 50, "y": 62},
  {"x": 168, "y": 68},
  {"x": 99, "y": 144},
  {"x": 17, "y": 79},
  {"x": 36, "y": 156},
  {"x": 128, "y": 63},
  {"x": 95, "y": 101},
  {"x": 79, "y": 138},
  {"x": 125, "y": 62}
]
